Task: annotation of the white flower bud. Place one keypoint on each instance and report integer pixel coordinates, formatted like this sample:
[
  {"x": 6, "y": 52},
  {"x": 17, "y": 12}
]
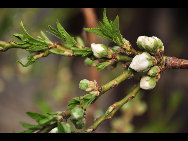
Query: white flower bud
[
  {"x": 151, "y": 44},
  {"x": 141, "y": 62},
  {"x": 99, "y": 50},
  {"x": 54, "y": 130},
  {"x": 147, "y": 82}
]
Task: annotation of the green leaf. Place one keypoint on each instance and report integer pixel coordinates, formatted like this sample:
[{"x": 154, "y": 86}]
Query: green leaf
[
  {"x": 80, "y": 41},
  {"x": 98, "y": 32},
  {"x": 20, "y": 37},
  {"x": 28, "y": 126},
  {"x": 54, "y": 32},
  {"x": 82, "y": 52},
  {"x": 46, "y": 120},
  {"x": 65, "y": 36},
  {"x": 88, "y": 102},
  {"x": 75, "y": 101},
  {"x": 36, "y": 116},
  {"x": 108, "y": 29},
  {"x": 29, "y": 38},
  {"x": 37, "y": 48},
  {"x": 103, "y": 65},
  {"x": 30, "y": 60}
]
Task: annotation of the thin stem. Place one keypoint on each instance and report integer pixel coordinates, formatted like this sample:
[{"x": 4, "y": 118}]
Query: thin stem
[
  {"x": 114, "y": 83},
  {"x": 113, "y": 109},
  {"x": 4, "y": 46}
]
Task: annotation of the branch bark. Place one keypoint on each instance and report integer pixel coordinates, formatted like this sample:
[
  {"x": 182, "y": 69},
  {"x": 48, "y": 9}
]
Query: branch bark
[{"x": 176, "y": 63}]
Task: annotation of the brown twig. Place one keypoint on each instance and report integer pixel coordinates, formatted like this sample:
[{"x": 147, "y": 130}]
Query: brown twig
[{"x": 176, "y": 63}]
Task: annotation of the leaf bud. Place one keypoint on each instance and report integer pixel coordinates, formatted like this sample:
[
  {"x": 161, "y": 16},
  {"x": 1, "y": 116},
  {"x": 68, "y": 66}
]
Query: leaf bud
[{"x": 153, "y": 71}]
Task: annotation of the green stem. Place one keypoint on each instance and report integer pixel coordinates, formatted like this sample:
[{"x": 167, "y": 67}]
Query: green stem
[
  {"x": 4, "y": 46},
  {"x": 113, "y": 109},
  {"x": 114, "y": 83},
  {"x": 123, "y": 58}
]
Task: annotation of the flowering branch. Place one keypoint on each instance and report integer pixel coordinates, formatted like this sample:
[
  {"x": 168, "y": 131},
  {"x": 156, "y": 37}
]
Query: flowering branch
[{"x": 148, "y": 63}]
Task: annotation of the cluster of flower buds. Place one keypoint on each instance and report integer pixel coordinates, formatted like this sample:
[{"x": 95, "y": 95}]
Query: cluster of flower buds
[
  {"x": 99, "y": 50},
  {"x": 149, "y": 81},
  {"x": 77, "y": 117},
  {"x": 151, "y": 44},
  {"x": 144, "y": 62},
  {"x": 89, "y": 86}
]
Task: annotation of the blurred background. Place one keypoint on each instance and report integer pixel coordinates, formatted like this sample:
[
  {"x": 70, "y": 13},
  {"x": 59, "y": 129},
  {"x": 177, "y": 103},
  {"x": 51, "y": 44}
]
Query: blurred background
[{"x": 51, "y": 82}]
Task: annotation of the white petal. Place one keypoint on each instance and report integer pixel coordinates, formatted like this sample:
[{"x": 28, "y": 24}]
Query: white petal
[{"x": 140, "y": 62}]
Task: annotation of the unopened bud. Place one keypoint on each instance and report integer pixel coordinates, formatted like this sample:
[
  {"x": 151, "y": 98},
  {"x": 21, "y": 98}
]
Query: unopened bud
[
  {"x": 99, "y": 50},
  {"x": 142, "y": 62},
  {"x": 153, "y": 71},
  {"x": 83, "y": 85},
  {"x": 147, "y": 82},
  {"x": 87, "y": 85},
  {"x": 77, "y": 113},
  {"x": 151, "y": 44}
]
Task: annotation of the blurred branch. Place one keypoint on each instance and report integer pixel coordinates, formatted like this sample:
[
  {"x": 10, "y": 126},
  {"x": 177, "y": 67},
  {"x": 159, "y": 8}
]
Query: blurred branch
[{"x": 91, "y": 22}]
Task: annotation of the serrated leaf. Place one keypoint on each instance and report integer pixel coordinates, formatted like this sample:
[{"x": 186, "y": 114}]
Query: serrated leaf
[
  {"x": 20, "y": 37},
  {"x": 45, "y": 37},
  {"x": 37, "y": 48},
  {"x": 87, "y": 101},
  {"x": 30, "y": 60},
  {"x": 29, "y": 38},
  {"x": 108, "y": 29},
  {"x": 54, "y": 32},
  {"x": 22, "y": 45},
  {"x": 80, "y": 41},
  {"x": 97, "y": 31},
  {"x": 46, "y": 120},
  {"x": 105, "y": 19},
  {"x": 67, "y": 38},
  {"x": 75, "y": 101},
  {"x": 36, "y": 116},
  {"x": 28, "y": 126}
]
